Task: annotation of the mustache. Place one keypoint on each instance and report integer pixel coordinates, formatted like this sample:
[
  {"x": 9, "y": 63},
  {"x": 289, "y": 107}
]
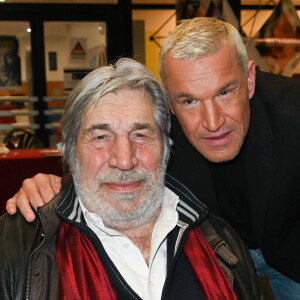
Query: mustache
[{"x": 117, "y": 175}]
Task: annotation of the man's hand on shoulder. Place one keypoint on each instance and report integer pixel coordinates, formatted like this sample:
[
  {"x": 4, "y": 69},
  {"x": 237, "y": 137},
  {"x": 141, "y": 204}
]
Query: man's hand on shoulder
[{"x": 35, "y": 191}]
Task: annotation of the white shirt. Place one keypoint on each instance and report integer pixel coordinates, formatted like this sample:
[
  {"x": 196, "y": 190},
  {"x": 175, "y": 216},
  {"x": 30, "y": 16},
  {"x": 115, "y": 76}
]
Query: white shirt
[{"x": 146, "y": 281}]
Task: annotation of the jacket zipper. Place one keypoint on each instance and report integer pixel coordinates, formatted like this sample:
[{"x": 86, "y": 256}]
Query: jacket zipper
[
  {"x": 27, "y": 297},
  {"x": 30, "y": 266},
  {"x": 182, "y": 235},
  {"x": 183, "y": 227},
  {"x": 177, "y": 250}
]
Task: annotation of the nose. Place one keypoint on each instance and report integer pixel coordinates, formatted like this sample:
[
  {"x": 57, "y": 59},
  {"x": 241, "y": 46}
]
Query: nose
[
  {"x": 212, "y": 115},
  {"x": 123, "y": 154}
]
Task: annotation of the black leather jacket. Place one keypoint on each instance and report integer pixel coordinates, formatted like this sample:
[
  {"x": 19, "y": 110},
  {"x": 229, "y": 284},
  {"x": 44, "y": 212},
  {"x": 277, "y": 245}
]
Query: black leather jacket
[{"x": 28, "y": 268}]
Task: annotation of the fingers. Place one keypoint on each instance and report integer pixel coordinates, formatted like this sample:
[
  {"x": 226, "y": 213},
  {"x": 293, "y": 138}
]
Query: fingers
[
  {"x": 39, "y": 189},
  {"x": 11, "y": 205},
  {"x": 55, "y": 183},
  {"x": 23, "y": 205},
  {"x": 34, "y": 192}
]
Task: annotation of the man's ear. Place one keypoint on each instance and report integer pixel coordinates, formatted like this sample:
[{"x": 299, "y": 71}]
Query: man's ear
[
  {"x": 251, "y": 78},
  {"x": 170, "y": 103},
  {"x": 171, "y": 108}
]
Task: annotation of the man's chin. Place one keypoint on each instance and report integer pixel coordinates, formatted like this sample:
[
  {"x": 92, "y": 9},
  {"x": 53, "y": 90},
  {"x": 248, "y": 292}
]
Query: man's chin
[
  {"x": 220, "y": 157},
  {"x": 123, "y": 210},
  {"x": 121, "y": 198},
  {"x": 122, "y": 225},
  {"x": 129, "y": 214}
]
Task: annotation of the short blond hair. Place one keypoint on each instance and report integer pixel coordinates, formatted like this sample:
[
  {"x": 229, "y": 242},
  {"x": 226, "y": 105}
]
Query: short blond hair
[{"x": 199, "y": 37}]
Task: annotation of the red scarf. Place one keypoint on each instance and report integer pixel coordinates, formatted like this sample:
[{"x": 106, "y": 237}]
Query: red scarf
[
  {"x": 81, "y": 273},
  {"x": 214, "y": 283},
  {"x": 83, "y": 277}
]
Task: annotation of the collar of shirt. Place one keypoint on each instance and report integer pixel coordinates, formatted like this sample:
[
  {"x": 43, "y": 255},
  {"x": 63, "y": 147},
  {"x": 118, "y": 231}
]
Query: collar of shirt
[{"x": 146, "y": 281}]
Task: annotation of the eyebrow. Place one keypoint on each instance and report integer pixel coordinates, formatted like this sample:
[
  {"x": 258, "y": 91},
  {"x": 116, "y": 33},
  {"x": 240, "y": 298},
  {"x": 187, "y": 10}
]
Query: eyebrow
[
  {"x": 103, "y": 126},
  {"x": 227, "y": 85},
  {"x": 224, "y": 87},
  {"x": 140, "y": 126},
  {"x": 108, "y": 127},
  {"x": 183, "y": 95}
]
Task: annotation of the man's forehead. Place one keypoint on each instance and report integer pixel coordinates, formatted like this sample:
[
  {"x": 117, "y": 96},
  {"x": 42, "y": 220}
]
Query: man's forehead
[
  {"x": 204, "y": 70},
  {"x": 126, "y": 108},
  {"x": 123, "y": 100}
]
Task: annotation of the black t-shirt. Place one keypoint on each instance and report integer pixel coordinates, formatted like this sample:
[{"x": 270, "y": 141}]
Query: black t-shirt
[{"x": 230, "y": 180}]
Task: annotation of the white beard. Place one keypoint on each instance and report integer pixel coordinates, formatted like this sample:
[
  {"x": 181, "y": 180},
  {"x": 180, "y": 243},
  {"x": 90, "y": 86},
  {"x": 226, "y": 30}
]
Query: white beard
[{"x": 119, "y": 216}]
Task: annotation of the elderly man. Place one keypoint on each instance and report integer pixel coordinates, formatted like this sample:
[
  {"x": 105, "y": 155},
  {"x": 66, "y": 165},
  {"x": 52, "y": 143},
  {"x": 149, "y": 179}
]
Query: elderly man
[
  {"x": 116, "y": 230},
  {"x": 240, "y": 157}
]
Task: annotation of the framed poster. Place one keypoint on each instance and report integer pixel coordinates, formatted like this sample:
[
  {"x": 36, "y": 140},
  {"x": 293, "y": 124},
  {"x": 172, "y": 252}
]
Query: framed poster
[
  {"x": 78, "y": 47},
  {"x": 52, "y": 61},
  {"x": 10, "y": 70}
]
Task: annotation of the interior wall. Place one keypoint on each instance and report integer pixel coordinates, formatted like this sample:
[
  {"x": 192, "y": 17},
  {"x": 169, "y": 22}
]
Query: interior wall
[
  {"x": 57, "y": 39},
  {"x": 153, "y": 20}
]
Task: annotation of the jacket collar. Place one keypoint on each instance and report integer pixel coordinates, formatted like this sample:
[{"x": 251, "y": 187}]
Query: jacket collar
[
  {"x": 64, "y": 204},
  {"x": 190, "y": 210}
]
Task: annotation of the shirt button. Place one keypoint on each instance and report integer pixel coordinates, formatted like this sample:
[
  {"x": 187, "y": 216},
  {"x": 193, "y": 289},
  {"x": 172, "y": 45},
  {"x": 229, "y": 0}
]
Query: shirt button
[
  {"x": 126, "y": 245},
  {"x": 151, "y": 283}
]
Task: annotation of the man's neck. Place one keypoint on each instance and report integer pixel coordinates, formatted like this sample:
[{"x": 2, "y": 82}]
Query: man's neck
[{"x": 141, "y": 236}]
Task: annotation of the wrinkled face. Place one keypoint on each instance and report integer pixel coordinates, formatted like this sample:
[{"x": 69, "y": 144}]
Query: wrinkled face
[
  {"x": 210, "y": 98},
  {"x": 119, "y": 152}
]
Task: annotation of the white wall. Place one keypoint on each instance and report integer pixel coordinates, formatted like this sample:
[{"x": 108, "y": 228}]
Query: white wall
[{"x": 58, "y": 36}]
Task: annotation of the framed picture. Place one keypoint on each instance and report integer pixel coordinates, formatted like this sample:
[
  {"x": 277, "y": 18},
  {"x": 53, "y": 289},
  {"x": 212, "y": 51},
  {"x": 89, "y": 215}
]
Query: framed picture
[
  {"x": 52, "y": 61},
  {"x": 10, "y": 66}
]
